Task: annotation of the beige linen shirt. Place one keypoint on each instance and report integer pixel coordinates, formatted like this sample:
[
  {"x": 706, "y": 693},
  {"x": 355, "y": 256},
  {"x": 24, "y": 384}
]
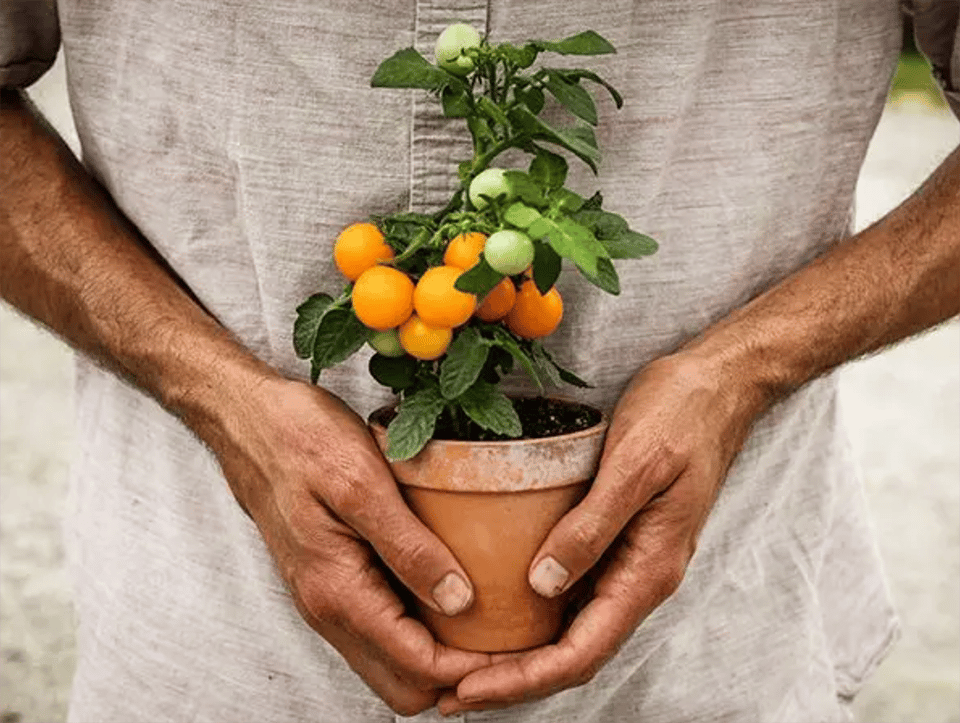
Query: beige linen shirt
[{"x": 241, "y": 135}]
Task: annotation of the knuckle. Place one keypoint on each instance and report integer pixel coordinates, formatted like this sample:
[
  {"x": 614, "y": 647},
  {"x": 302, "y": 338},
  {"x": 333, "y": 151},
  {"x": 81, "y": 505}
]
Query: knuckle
[
  {"x": 316, "y": 598},
  {"x": 670, "y": 576},
  {"x": 587, "y": 537},
  {"x": 411, "y": 703}
]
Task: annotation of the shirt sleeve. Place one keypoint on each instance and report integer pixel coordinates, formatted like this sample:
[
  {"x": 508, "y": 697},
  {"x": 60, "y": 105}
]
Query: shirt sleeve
[
  {"x": 29, "y": 40},
  {"x": 936, "y": 28}
]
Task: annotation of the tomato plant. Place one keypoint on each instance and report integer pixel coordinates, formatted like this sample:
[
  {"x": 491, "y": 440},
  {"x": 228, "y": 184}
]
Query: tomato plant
[{"x": 451, "y": 299}]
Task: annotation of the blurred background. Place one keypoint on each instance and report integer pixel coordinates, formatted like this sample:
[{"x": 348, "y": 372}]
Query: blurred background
[{"x": 903, "y": 408}]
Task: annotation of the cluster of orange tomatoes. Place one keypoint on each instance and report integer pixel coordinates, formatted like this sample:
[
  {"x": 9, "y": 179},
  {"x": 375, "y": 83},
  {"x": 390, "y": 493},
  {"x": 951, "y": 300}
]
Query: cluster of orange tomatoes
[{"x": 417, "y": 317}]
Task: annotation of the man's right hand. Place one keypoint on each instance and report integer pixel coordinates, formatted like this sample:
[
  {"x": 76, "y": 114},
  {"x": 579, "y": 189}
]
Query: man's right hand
[
  {"x": 300, "y": 462},
  {"x": 307, "y": 471}
]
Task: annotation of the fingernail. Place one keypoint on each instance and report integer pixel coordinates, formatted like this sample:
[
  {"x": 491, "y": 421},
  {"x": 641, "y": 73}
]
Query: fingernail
[
  {"x": 549, "y": 577},
  {"x": 452, "y": 594}
]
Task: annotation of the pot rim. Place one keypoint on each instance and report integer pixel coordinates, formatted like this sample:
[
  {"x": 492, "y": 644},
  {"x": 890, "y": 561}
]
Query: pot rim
[{"x": 509, "y": 465}]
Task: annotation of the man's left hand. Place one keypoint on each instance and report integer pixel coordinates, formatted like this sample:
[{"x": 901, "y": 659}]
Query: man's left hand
[{"x": 673, "y": 436}]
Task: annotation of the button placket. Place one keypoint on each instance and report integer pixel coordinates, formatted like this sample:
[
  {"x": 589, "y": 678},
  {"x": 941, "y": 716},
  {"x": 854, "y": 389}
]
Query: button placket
[{"x": 438, "y": 143}]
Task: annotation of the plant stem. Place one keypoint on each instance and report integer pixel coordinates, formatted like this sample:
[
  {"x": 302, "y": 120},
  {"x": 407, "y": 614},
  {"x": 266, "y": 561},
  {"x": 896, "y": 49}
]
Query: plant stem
[{"x": 417, "y": 243}]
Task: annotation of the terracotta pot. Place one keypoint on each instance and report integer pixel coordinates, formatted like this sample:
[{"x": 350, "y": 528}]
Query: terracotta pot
[{"x": 493, "y": 504}]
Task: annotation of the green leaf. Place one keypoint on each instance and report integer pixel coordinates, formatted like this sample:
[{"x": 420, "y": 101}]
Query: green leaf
[
  {"x": 533, "y": 98},
  {"x": 505, "y": 340},
  {"x": 463, "y": 362},
  {"x": 398, "y": 373},
  {"x": 493, "y": 111},
  {"x": 408, "y": 69},
  {"x": 572, "y": 96},
  {"x": 546, "y": 266},
  {"x": 630, "y": 245},
  {"x": 480, "y": 129},
  {"x": 522, "y": 57},
  {"x": 604, "y": 225},
  {"x": 454, "y": 103},
  {"x": 586, "y": 43},
  {"x": 606, "y": 277},
  {"x": 594, "y": 203},
  {"x": 573, "y": 140},
  {"x": 309, "y": 314},
  {"x": 491, "y": 409},
  {"x": 566, "y": 201},
  {"x": 544, "y": 366},
  {"x": 340, "y": 334},
  {"x": 499, "y": 363},
  {"x": 413, "y": 426},
  {"x": 525, "y": 188},
  {"x": 548, "y": 169},
  {"x": 565, "y": 374},
  {"x": 577, "y": 74},
  {"x": 571, "y": 240},
  {"x": 520, "y": 215},
  {"x": 583, "y": 134},
  {"x": 479, "y": 279}
]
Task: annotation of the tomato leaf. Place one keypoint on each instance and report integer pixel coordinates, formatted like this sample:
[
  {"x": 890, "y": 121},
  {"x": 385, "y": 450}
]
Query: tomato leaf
[
  {"x": 491, "y": 409},
  {"x": 398, "y": 373},
  {"x": 499, "y": 363},
  {"x": 520, "y": 215},
  {"x": 594, "y": 203},
  {"x": 454, "y": 102},
  {"x": 586, "y": 43},
  {"x": 479, "y": 279},
  {"x": 408, "y": 69},
  {"x": 522, "y": 57},
  {"x": 339, "y": 335},
  {"x": 566, "y": 201},
  {"x": 546, "y": 266},
  {"x": 492, "y": 111},
  {"x": 309, "y": 315},
  {"x": 630, "y": 245},
  {"x": 505, "y": 340},
  {"x": 574, "y": 140},
  {"x": 605, "y": 278},
  {"x": 544, "y": 366},
  {"x": 533, "y": 98},
  {"x": 578, "y": 74},
  {"x": 413, "y": 426},
  {"x": 571, "y": 241},
  {"x": 525, "y": 188},
  {"x": 572, "y": 96},
  {"x": 565, "y": 374},
  {"x": 548, "y": 169},
  {"x": 463, "y": 362}
]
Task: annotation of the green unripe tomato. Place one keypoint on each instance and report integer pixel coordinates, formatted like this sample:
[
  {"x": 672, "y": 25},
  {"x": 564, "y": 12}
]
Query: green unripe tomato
[
  {"x": 386, "y": 343},
  {"x": 508, "y": 252},
  {"x": 450, "y": 47},
  {"x": 490, "y": 182}
]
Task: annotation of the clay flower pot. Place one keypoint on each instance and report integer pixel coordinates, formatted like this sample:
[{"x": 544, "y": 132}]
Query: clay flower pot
[{"x": 493, "y": 504}]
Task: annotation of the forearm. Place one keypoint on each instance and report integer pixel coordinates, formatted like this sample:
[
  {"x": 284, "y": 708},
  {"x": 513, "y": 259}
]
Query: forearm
[
  {"x": 892, "y": 280},
  {"x": 69, "y": 259}
]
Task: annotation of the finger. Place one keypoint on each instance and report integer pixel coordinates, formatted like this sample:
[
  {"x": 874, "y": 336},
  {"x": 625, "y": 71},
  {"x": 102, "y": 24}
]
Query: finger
[
  {"x": 595, "y": 635},
  {"x": 348, "y": 591},
  {"x": 645, "y": 568},
  {"x": 403, "y": 697},
  {"x": 371, "y": 504},
  {"x": 581, "y": 537}
]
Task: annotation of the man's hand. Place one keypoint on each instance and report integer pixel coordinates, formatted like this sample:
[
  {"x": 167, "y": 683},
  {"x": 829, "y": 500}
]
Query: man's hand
[
  {"x": 672, "y": 438},
  {"x": 305, "y": 468}
]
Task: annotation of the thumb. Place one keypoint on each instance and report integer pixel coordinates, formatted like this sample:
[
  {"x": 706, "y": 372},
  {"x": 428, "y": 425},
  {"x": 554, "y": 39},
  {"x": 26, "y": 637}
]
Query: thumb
[
  {"x": 580, "y": 538},
  {"x": 417, "y": 557}
]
